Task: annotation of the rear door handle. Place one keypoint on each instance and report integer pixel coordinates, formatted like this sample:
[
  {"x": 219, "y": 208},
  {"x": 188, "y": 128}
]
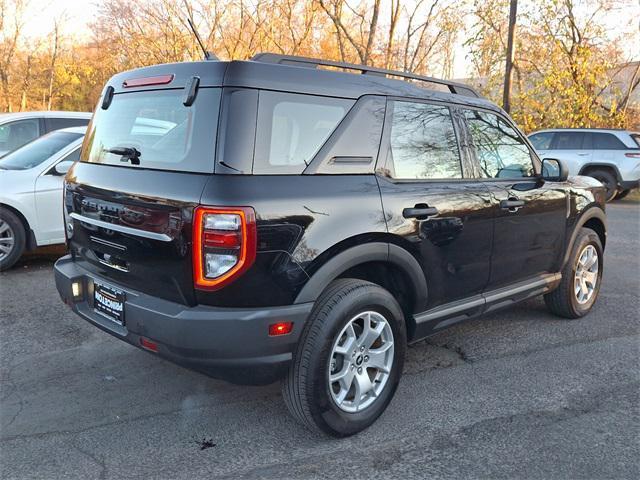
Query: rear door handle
[
  {"x": 512, "y": 204},
  {"x": 421, "y": 213}
]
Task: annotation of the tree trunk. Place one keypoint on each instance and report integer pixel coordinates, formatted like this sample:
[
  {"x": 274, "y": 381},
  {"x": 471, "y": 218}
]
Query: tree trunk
[{"x": 506, "y": 94}]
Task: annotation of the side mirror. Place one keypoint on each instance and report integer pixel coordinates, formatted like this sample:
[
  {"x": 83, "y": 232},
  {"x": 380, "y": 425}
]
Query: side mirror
[
  {"x": 63, "y": 167},
  {"x": 554, "y": 170}
]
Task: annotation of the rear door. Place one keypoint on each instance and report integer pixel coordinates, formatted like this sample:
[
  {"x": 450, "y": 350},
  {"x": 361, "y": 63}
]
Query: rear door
[
  {"x": 530, "y": 214},
  {"x": 142, "y": 170},
  {"x": 435, "y": 211},
  {"x": 607, "y": 148},
  {"x": 572, "y": 147}
]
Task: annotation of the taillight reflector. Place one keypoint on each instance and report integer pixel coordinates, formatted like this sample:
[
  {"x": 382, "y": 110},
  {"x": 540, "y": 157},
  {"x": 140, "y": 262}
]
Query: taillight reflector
[
  {"x": 632, "y": 155},
  {"x": 148, "y": 344},
  {"x": 224, "y": 245},
  {"x": 146, "y": 81},
  {"x": 282, "y": 328}
]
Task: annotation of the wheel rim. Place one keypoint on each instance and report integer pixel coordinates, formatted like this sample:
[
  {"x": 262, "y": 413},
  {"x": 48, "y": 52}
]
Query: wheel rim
[
  {"x": 361, "y": 361},
  {"x": 7, "y": 239},
  {"x": 586, "y": 278}
]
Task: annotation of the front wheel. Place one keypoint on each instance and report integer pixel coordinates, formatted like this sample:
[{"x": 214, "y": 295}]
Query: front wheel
[
  {"x": 581, "y": 278},
  {"x": 608, "y": 181},
  {"x": 349, "y": 360}
]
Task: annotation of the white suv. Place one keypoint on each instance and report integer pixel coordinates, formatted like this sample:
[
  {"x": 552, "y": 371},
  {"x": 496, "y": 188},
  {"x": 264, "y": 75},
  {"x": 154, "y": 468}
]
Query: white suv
[{"x": 611, "y": 156}]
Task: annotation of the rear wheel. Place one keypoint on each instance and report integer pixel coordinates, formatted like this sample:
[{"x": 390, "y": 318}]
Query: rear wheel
[
  {"x": 581, "y": 278},
  {"x": 621, "y": 194},
  {"x": 608, "y": 180},
  {"x": 12, "y": 239},
  {"x": 349, "y": 360}
]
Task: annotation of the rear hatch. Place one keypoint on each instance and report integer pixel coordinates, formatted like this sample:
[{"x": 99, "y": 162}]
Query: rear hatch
[{"x": 147, "y": 155}]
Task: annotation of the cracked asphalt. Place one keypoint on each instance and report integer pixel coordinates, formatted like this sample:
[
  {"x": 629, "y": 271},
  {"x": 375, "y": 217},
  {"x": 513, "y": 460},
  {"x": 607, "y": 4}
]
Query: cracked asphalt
[{"x": 517, "y": 394}]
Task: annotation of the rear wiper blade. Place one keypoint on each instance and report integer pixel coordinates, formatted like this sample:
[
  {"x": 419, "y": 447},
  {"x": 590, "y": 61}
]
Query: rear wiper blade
[{"x": 127, "y": 154}]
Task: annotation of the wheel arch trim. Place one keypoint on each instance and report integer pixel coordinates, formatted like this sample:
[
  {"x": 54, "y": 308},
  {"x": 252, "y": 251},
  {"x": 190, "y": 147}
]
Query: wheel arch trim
[
  {"x": 361, "y": 254},
  {"x": 600, "y": 164},
  {"x": 589, "y": 214}
]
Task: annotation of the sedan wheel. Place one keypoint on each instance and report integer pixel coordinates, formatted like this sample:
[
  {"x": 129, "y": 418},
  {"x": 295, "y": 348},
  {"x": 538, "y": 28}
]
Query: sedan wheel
[{"x": 7, "y": 239}]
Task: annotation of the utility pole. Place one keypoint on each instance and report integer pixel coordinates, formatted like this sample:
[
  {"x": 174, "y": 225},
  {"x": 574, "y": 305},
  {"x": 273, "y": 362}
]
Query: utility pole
[{"x": 506, "y": 95}]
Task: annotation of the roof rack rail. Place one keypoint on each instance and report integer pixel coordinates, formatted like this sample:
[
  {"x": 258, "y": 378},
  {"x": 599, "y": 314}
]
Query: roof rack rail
[{"x": 454, "y": 87}]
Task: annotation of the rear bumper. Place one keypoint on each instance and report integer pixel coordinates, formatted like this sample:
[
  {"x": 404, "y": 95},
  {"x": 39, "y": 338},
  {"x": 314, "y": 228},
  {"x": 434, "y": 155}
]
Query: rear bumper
[{"x": 227, "y": 343}]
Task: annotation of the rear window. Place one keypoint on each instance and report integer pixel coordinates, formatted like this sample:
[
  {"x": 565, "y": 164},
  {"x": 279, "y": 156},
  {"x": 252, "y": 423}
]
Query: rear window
[
  {"x": 568, "y": 141},
  {"x": 292, "y": 128},
  {"x": 607, "y": 141},
  {"x": 165, "y": 134}
]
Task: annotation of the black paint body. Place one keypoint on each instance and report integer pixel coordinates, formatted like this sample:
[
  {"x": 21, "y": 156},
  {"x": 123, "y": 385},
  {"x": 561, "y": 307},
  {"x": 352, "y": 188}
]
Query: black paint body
[{"x": 335, "y": 219}]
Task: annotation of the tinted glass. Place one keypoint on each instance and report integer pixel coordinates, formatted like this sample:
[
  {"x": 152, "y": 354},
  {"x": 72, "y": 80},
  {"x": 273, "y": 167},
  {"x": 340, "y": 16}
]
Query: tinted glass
[
  {"x": 541, "y": 141},
  {"x": 568, "y": 141},
  {"x": 636, "y": 138},
  {"x": 292, "y": 128},
  {"x": 423, "y": 142},
  {"x": 15, "y": 134},
  {"x": 501, "y": 151},
  {"x": 606, "y": 141},
  {"x": 73, "y": 156},
  {"x": 166, "y": 134},
  {"x": 58, "y": 123},
  {"x": 36, "y": 152}
]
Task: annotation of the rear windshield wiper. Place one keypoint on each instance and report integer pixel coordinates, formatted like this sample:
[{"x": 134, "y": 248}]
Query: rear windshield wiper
[{"x": 128, "y": 154}]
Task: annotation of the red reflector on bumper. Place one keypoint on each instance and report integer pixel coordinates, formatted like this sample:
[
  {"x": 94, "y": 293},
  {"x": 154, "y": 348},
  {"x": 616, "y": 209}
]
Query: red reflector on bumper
[
  {"x": 148, "y": 344},
  {"x": 282, "y": 328}
]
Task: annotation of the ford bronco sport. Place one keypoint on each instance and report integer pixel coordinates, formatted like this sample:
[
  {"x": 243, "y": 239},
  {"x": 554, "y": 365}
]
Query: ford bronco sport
[{"x": 276, "y": 219}]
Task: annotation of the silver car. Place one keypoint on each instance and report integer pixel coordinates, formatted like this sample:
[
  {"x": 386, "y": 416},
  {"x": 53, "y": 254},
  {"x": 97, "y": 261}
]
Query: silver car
[{"x": 610, "y": 156}]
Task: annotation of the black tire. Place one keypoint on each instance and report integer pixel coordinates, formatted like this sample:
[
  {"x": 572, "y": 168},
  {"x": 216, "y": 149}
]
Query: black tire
[
  {"x": 622, "y": 193},
  {"x": 19, "y": 239},
  {"x": 306, "y": 387},
  {"x": 562, "y": 301},
  {"x": 608, "y": 180}
]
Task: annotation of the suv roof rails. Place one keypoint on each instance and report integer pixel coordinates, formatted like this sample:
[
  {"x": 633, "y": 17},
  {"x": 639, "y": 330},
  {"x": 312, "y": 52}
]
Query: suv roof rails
[{"x": 454, "y": 87}]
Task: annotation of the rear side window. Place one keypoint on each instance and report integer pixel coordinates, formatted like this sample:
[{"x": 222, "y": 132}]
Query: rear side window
[
  {"x": 422, "y": 142},
  {"x": 541, "y": 141},
  {"x": 568, "y": 141},
  {"x": 165, "y": 134},
  {"x": 16, "y": 134},
  {"x": 58, "y": 123},
  {"x": 501, "y": 151},
  {"x": 606, "y": 141},
  {"x": 292, "y": 128},
  {"x": 636, "y": 138}
]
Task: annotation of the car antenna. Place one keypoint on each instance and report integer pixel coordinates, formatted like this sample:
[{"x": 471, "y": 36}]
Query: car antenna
[{"x": 207, "y": 55}]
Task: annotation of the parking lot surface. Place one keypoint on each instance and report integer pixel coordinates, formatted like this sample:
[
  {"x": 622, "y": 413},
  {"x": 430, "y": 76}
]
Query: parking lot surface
[{"x": 517, "y": 394}]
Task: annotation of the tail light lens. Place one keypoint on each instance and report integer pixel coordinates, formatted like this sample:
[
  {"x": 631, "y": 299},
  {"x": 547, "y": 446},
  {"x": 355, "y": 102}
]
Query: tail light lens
[
  {"x": 632, "y": 155},
  {"x": 224, "y": 245}
]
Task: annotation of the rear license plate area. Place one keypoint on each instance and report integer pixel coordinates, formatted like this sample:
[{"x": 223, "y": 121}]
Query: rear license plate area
[{"x": 109, "y": 302}]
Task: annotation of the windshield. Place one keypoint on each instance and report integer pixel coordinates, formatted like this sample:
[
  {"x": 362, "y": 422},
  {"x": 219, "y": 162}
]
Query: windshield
[
  {"x": 154, "y": 129},
  {"x": 34, "y": 153}
]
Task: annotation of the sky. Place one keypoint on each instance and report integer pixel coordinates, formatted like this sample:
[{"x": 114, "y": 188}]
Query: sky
[{"x": 79, "y": 13}]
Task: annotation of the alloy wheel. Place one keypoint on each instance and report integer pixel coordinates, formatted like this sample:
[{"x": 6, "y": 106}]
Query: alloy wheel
[
  {"x": 361, "y": 361},
  {"x": 7, "y": 239},
  {"x": 586, "y": 276}
]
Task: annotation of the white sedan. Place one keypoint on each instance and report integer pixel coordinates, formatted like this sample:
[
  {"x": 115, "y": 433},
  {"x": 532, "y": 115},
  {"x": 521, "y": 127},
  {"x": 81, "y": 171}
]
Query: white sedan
[{"x": 31, "y": 181}]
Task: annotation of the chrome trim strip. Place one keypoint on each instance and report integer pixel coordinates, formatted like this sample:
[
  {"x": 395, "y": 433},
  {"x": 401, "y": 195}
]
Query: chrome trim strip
[{"x": 163, "y": 237}]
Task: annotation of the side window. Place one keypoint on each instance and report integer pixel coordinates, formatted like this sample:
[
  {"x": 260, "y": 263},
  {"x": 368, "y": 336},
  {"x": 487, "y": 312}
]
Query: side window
[
  {"x": 13, "y": 135},
  {"x": 541, "y": 141},
  {"x": 58, "y": 123},
  {"x": 607, "y": 141},
  {"x": 501, "y": 151},
  {"x": 73, "y": 156},
  {"x": 292, "y": 128},
  {"x": 422, "y": 142},
  {"x": 568, "y": 141}
]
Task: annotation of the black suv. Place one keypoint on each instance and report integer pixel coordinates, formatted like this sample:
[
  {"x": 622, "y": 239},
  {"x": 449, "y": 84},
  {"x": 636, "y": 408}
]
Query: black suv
[{"x": 275, "y": 219}]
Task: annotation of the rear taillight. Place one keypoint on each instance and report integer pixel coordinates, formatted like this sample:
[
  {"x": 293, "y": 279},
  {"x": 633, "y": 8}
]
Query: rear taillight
[
  {"x": 224, "y": 245},
  {"x": 632, "y": 155}
]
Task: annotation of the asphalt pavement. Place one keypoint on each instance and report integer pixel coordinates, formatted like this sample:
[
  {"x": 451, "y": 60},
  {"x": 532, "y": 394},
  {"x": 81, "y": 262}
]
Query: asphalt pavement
[{"x": 517, "y": 394}]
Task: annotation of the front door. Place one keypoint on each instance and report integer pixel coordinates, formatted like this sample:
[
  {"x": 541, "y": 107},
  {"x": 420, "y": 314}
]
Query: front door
[
  {"x": 530, "y": 214},
  {"x": 442, "y": 217}
]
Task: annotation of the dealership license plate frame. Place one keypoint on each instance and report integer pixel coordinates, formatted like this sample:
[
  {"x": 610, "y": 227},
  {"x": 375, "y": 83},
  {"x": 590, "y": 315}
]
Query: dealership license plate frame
[{"x": 109, "y": 302}]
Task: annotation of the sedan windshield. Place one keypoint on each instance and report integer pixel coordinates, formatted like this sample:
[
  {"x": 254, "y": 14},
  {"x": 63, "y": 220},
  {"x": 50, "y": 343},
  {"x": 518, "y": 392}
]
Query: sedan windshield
[{"x": 34, "y": 153}]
